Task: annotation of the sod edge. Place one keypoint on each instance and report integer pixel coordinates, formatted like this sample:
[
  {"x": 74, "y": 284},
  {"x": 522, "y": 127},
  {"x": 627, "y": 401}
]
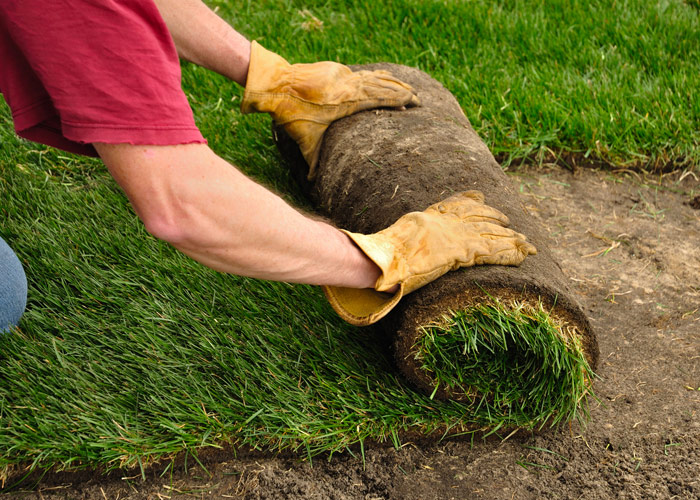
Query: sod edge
[{"x": 512, "y": 363}]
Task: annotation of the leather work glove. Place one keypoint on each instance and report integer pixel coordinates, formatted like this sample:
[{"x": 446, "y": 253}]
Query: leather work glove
[
  {"x": 420, "y": 247},
  {"x": 306, "y": 98}
]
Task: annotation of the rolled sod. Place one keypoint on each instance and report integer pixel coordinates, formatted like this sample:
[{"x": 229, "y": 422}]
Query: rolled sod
[{"x": 513, "y": 341}]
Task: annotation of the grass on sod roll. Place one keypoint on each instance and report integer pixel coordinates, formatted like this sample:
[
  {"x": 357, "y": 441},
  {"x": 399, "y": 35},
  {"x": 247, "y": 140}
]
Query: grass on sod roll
[
  {"x": 513, "y": 363},
  {"x": 130, "y": 351}
]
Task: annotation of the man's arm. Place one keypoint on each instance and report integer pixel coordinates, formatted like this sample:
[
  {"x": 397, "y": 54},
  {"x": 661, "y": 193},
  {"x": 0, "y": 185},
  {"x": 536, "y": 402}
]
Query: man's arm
[
  {"x": 193, "y": 199},
  {"x": 205, "y": 39}
]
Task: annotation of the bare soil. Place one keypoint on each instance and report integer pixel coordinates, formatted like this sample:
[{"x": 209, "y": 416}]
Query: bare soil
[{"x": 630, "y": 246}]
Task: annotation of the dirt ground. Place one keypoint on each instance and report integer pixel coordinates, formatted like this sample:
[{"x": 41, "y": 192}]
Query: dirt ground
[{"x": 631, "y": 247}]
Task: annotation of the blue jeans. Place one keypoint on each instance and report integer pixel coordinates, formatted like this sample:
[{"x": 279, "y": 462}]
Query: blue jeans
[{"x": 13, "y": 288}]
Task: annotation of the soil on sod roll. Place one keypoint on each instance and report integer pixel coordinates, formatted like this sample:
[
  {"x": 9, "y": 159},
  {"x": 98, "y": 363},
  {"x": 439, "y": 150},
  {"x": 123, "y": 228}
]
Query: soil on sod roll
[{"x": 378, "y": 165}]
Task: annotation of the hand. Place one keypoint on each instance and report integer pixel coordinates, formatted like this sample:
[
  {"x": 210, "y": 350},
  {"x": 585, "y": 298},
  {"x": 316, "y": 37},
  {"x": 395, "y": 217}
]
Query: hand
[
  {"x": 306, "y": 98},
  {"x": 420, "y": 247}
]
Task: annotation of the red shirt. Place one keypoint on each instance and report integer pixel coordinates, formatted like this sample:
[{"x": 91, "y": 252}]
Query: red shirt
[{"x": 76, "y": 72}]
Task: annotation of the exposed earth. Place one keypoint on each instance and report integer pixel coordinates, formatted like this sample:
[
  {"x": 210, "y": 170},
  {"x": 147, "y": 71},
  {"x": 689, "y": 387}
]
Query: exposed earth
[{"x": 631, "y": 247}]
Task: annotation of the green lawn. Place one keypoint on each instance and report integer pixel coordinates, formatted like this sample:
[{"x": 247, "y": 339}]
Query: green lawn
[{"x": 130, "y": 351}]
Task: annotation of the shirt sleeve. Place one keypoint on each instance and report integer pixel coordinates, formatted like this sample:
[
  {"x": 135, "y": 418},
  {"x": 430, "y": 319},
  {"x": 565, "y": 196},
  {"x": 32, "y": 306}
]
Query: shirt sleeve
[{"x": 77, "y": 72}]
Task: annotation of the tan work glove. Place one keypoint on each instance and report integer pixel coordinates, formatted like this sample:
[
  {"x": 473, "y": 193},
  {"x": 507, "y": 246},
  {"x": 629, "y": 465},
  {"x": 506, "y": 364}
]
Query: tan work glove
[
  {"x": 420, "y": 247},
  {"x": 306, "y": 98}
]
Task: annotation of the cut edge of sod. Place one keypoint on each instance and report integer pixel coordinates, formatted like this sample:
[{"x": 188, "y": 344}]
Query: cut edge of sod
[{"x": 514, "y": 362}]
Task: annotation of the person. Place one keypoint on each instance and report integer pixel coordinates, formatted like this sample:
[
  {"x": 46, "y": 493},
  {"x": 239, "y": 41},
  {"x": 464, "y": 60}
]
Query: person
[
  {"x": 13, "y": 288},
  {"x": 103, "y": 78}
]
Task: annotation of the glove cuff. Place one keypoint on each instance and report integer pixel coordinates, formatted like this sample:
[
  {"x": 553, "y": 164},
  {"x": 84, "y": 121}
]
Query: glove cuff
[
  {"x": 266, "y": 74},
  {"x": 381, "y": 251},
  {"x": 364, "y": 306},
  {"x": 361, "y": 306}
]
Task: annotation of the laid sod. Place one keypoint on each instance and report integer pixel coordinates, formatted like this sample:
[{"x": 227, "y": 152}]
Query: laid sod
[
  {"x": 610, "y": 82},
  {"x": 130, "y": 351}
]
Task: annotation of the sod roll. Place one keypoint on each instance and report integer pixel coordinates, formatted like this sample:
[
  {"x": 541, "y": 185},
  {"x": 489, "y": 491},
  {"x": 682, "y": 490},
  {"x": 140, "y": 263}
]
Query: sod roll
[{"x": 512, "y": 340}]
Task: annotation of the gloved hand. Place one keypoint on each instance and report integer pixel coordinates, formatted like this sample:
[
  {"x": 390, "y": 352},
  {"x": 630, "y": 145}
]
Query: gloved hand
[
  {"x": 306, "y": 98},
  {"x": 420, "y": 247}
]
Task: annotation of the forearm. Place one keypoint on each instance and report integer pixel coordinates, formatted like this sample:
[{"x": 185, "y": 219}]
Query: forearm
[
  {"x": 210, "y": 211},
  {"x": 205, "y": 39},
  {"x": 237, "y": 226}
]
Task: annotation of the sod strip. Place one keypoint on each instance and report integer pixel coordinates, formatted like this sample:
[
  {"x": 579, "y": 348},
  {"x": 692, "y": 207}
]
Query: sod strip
[
  {"x": 376, "y": 166},
  {"x": 130, "y": 352}
]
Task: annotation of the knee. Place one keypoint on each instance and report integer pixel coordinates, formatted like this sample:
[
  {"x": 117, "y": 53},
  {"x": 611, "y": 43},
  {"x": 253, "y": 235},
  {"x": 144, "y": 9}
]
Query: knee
[{"x": 13, "y": 288}]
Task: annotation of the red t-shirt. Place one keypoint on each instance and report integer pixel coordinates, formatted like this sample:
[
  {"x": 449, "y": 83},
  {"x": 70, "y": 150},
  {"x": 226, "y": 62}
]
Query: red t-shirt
[{"x": 76, "y": 72}]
